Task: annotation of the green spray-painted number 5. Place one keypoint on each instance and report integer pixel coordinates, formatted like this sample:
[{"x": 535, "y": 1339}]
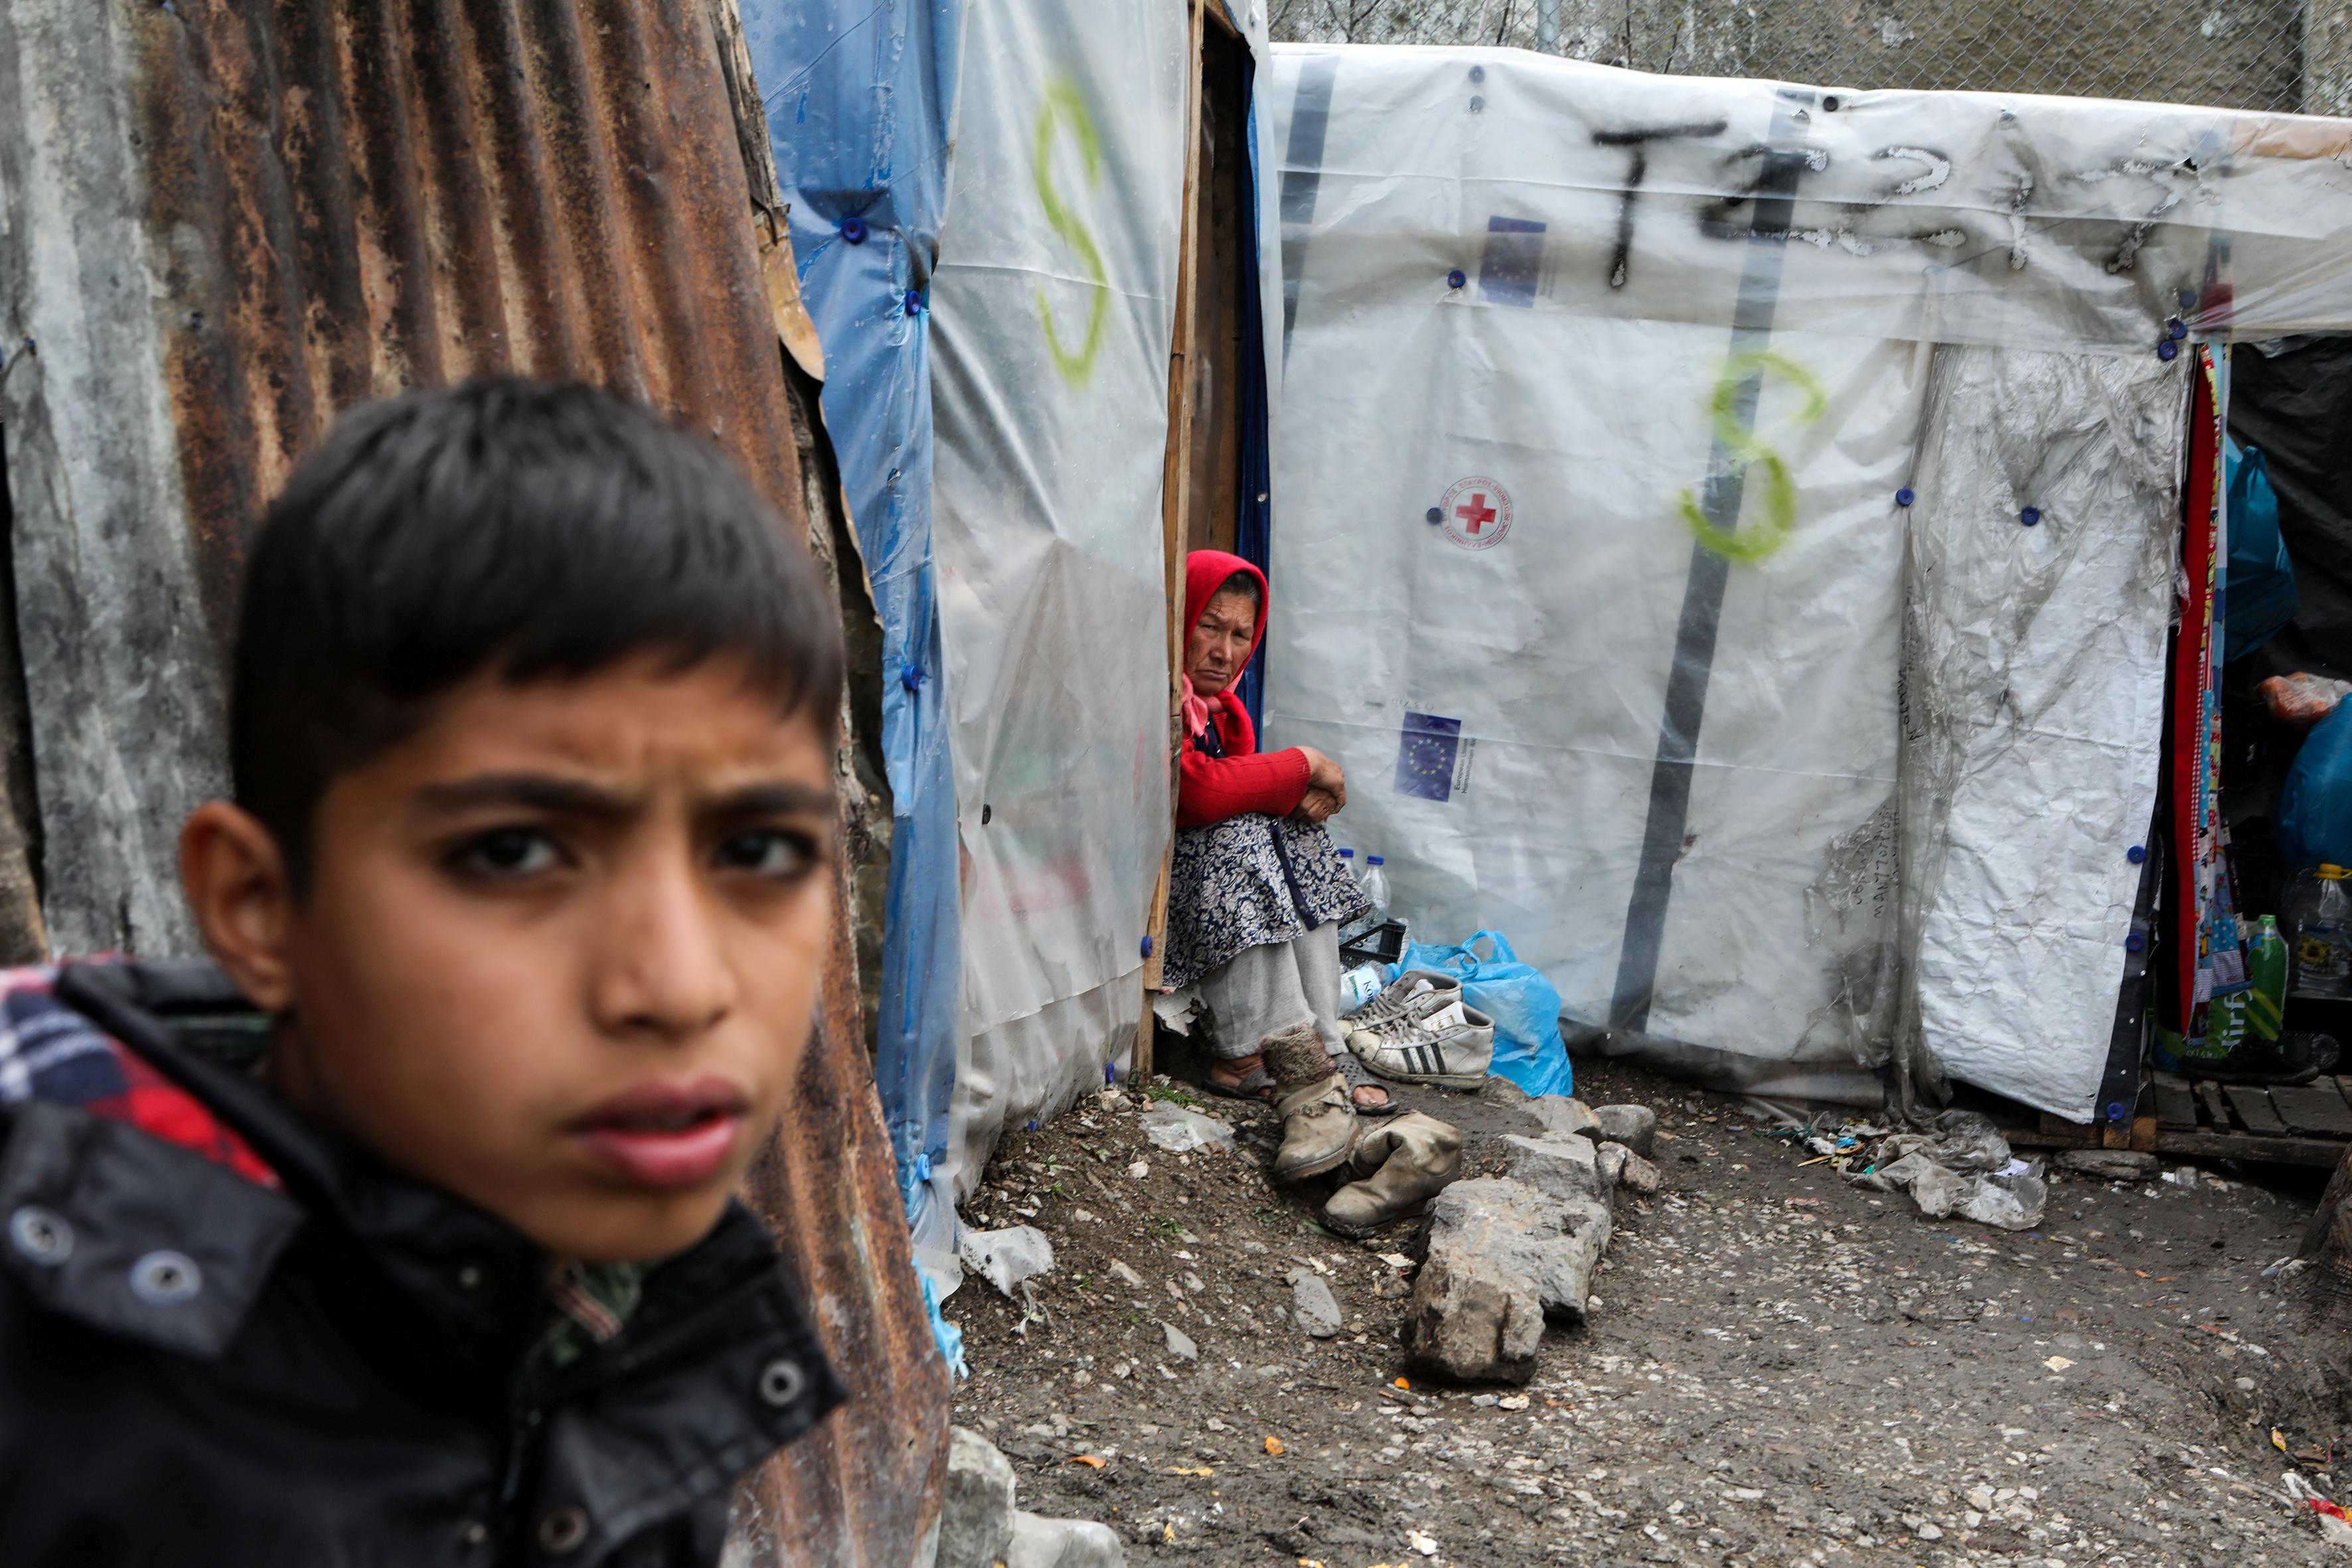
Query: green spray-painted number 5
[
  {"x": 1779, "y": 504},
  {"x": 1065, "y": 105}
]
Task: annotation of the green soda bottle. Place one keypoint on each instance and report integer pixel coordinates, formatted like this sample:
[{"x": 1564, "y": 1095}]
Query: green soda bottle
[{"x": 2267, "y": 966}]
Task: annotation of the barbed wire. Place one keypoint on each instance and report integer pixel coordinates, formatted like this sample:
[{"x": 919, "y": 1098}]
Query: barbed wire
[{"x": 2289, "y": 56}]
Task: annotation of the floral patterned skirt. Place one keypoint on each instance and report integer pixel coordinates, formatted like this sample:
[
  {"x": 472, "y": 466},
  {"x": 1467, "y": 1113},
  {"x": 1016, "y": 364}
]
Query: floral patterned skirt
[{"x": 1249, "y": 881}]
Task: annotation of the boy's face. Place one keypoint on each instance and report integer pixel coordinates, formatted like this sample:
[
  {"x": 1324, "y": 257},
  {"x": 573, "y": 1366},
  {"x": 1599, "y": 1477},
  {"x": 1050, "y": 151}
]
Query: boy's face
[{"x": 562, "y": 947}]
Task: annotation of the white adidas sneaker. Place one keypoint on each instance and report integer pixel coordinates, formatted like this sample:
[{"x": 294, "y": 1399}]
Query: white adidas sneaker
[
  {"x": 1433, "y": 1039},
  {"x": 1402, "y": 992}
]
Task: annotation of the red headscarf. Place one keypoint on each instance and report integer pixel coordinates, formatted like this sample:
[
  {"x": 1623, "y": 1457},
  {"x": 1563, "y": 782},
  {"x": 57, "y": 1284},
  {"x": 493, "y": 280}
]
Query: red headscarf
[{"x": 1206, "y": 572}]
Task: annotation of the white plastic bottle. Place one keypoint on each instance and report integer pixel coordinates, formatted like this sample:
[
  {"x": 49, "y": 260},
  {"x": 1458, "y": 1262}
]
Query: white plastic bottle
[
  {"x": 2323, "y": 936},
  {"x": 1375, "y": 883}
]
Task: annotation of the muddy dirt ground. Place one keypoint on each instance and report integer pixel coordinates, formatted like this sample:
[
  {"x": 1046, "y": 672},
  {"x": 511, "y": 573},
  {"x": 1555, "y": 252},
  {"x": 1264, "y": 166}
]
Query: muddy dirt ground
[{"x": 1780, "y": 1369}]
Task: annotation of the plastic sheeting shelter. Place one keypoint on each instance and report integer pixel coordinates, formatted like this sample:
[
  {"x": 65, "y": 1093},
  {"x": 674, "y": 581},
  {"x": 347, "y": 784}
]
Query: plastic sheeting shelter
[
  {"x": 988, "y": 206},
  {"x": 1730, "y": 530}
]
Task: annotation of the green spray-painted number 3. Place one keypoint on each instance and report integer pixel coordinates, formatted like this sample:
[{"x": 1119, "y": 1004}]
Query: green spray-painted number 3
[
  {"x": 1065, "y": 105},
  {"x": 1779, "y": 507}
]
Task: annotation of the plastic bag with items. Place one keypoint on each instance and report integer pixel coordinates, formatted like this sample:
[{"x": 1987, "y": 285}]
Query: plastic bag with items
[{"x": 1523, "y": 1003}]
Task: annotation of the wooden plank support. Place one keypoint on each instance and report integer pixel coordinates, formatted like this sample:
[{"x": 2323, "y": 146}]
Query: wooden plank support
[
  {"x": 2321, "y": 1152},
  {"x": 1175, "y": 506},
  {"x": 2176, "y": 1103},
  {"x": 2208, "y": 1095},
  {"x": 2253, "y": 1103},
  {"x": 2313, "y": 1109}
]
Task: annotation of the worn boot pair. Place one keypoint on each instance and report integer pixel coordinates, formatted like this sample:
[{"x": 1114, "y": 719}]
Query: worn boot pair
[
  {"x": 1403, "y": 1165},
  {"x": 1318, "y": 1117}
]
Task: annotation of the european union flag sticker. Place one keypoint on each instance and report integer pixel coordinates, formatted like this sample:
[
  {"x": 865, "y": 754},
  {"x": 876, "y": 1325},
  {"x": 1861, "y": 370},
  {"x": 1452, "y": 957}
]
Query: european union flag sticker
[{"x": 1426, "y": 755}]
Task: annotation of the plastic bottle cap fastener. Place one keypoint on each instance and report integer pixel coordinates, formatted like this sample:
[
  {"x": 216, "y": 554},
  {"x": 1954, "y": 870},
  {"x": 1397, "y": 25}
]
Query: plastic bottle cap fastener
[
  {"x": 2168, "y": 349},
  {"x": 1147, "y": 946},
  {"x": 1477, "y": 73},
  {"x": 2031, "y": 516},
  {"x": 2135, "y": 941},
  {"x": 2136, "y": 854},
  {"x": 2188, "y": 299},
  {"x": 2114, "y": 1111},
  {"x": 2177, "y": 329},
  {"x": 853, "y": 229},
  {"x": 1434, "y": 515},
  {"x": 1455, "y": 278},
  {"x": 1904, "y": 496},
  {"x": 914, "y": 301}
]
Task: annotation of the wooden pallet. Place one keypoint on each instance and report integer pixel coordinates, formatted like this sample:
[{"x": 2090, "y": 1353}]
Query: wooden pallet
[{"x": 2301, "y": 1124}]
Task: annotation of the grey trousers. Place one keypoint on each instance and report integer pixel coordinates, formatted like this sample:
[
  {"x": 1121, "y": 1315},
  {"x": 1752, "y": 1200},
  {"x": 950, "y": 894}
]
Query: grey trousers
[{"x": 1273, "y": 987}]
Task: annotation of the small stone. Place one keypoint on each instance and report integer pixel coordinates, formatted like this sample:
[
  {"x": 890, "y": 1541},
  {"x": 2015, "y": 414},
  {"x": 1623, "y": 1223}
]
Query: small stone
[
  {"x": 976, "y": 1509},
  {"x": 2111, "y": 1164},
  {"x": 1981, "y": 1499},
  {"x": 1499, "y": 1090},
  {"x": 1634, "y": 1126},
  {"x": 1122, "y": 1273},
  {"x": 1561, "y": 1116},
  {"x": 2245, "y": 1385},
  {"x": 1180, "y": 1344},
  {"x": 1639, "y": 1175},
  {"x": 1311, "y": 1300},
  {"x": 1930, "y": 1532},
  {"x": 1060, "y": 1543},
  {"x": 1139, "y": 1170}
]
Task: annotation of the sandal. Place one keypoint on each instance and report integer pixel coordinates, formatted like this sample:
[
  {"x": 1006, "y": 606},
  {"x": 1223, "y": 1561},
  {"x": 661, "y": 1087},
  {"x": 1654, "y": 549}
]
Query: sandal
[
  {"x": 1255, "y": 1084},
  {"x": 1360, "y": 1078}
]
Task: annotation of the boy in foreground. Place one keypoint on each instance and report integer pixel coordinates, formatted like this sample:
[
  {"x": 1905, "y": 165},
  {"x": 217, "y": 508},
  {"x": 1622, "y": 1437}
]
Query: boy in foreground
[{"x": 405, "y": 1235}]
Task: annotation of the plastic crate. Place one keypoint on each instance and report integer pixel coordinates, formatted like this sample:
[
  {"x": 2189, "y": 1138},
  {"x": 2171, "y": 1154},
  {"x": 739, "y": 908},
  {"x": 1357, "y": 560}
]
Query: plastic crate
[{"x": 1384, "y": 943}]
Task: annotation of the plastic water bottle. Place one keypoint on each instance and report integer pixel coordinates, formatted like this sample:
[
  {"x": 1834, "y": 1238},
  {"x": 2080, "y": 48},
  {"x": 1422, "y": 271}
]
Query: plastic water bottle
[
  {"x": 1375, "y": 883},
  {"x": 1359, "y": 985},
  {"x": 2323, "y": 924},
  {"x": 2266, "y": 965}
]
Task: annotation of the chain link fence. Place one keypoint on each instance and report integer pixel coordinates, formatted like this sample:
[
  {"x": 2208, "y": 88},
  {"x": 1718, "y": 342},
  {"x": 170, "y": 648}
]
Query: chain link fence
[{"x": 2290, "y": 56}]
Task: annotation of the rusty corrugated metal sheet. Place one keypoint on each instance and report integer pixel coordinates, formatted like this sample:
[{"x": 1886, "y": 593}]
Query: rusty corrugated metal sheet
[{"x": 229, "y": 219}]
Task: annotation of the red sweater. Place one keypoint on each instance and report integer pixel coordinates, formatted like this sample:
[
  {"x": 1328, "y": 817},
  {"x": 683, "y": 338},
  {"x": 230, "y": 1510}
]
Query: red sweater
[{"x": 1215, "y": 788}]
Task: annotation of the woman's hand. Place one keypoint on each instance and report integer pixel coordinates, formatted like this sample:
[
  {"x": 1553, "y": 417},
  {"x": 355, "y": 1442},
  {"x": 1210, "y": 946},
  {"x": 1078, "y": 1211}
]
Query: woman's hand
[
  {"x": 1324, "y": 775},
  {"x": 1318, "y": 806}
]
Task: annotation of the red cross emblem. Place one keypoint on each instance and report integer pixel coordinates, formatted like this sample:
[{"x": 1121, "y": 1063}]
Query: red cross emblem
[{"x": 1476, "y": 513}]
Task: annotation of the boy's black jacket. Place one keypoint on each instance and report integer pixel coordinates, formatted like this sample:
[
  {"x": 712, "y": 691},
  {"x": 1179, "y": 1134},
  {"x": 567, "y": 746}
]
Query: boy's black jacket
[{"x": 339, "y": 1390}]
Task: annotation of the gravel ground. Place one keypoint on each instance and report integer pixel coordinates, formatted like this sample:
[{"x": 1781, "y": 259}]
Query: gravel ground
[{"x": 1780, "y": 1370}]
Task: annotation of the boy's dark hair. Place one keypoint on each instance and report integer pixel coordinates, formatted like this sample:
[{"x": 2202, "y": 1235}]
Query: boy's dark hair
[{"x": 533, "y": 528}]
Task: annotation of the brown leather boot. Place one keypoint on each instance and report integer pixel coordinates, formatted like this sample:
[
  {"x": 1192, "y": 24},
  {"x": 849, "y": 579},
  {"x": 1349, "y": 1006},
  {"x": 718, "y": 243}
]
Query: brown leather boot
[
  {"x": 1318, "y": 1120},
  {"x": 1405, "y": 1162}
]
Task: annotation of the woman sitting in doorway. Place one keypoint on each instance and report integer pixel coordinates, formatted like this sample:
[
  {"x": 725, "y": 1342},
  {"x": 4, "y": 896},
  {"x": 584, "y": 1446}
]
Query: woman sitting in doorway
[{"x": 1256, "y": 894}]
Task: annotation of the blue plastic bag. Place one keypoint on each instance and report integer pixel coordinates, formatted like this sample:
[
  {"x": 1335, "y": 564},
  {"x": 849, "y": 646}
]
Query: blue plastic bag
[
  {"x": 2314, "y": 812},
  {"x": 1526, "y": 1009},
  {"x": 2258, "y": 593}
]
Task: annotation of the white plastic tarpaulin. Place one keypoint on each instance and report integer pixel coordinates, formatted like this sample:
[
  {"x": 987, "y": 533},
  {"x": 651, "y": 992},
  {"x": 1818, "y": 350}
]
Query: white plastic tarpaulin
[
  {"x": 1630, "y": 421},
  {"x": 1053, "y": 311}
]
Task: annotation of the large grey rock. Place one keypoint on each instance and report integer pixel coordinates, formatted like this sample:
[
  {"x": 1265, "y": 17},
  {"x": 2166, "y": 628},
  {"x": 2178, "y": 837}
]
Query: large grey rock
[
  {"x": 976, "y": 1510},
  {"x": 2111, "y": 1164},
  {"x": 1561, "y": 1116},
  {"x": 1636, "y": 1175},
  {"x": 1553, "y": 1243},
  {"x": 1634, "y": 1126},
  {"x": 1311, "y": 1300},
  {"x": 1062, "y": 1543},
  {"x": 1473, "y": 1321},
  {"x": 1564, "y": 1168}
]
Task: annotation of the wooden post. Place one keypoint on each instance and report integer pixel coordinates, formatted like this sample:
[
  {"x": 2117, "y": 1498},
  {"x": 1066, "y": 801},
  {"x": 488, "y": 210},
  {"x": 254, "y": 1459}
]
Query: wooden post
[{"x": 1175, "y": 506}]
